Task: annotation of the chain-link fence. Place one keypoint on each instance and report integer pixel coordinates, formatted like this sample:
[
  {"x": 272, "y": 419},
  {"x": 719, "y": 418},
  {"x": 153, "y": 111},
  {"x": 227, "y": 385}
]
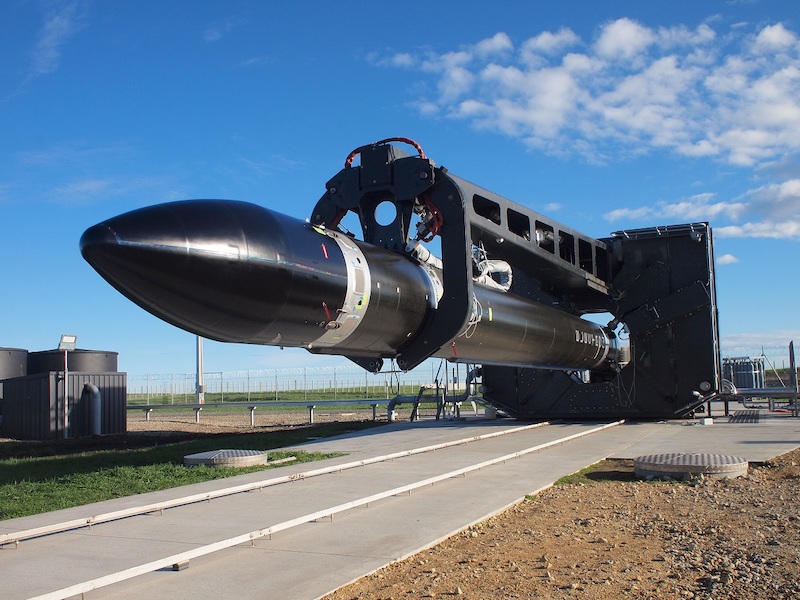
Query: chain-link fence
[
  {"x": 345, "y": 382},
  {"x": 772, "y": 363},
  {"x": 291, "y": 384}
]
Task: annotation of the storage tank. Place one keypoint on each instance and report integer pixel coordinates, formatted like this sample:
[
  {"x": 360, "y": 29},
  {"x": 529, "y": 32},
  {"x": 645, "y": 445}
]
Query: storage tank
[
  {"x": 89, "y": 361},
  {"x": 13, "y": 363}
]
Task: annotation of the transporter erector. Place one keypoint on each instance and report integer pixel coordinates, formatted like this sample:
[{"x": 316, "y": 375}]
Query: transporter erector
[{"x": 441, "y": 268}]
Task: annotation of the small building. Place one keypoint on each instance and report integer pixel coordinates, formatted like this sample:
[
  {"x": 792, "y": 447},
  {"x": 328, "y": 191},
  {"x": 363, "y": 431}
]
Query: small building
[{"x": 33, "y": 406}]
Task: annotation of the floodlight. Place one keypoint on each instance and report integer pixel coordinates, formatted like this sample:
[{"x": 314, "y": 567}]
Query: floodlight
[{"x": 68, "y": 342}]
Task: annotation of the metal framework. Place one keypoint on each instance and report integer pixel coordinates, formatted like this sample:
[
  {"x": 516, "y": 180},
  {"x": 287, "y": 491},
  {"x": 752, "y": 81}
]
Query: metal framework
[{"x": 657, "y": 283}]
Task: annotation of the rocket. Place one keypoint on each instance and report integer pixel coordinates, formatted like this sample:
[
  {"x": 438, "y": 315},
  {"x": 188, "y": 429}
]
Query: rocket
[
  {"x": 439, "y": 267},
  {"x": 238, "y": 272}
]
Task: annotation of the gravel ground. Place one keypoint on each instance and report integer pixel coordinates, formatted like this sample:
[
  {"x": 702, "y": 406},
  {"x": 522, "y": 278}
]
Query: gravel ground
[{"x": 613, "y": 536}]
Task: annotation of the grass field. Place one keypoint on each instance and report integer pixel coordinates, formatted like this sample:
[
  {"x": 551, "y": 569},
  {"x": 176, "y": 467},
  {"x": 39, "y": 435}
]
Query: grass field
[{"x": 38, "y": 477}]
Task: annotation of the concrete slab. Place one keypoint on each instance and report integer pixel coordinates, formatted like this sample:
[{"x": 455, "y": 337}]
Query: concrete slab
[
  {"x": 316, "y": 558},
  {"x": 756, "y": 442},
  {"x": 226, "y": 458}
]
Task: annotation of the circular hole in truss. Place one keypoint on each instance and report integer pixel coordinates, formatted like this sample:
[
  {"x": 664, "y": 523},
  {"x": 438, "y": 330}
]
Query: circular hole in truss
[{"x": 385, "y": 213}]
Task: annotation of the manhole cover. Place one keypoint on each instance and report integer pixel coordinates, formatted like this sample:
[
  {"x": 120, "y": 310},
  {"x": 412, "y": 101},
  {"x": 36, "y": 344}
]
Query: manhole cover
[
  {"x": 682, "y": 466},
  {"x": 226, "y": 458}
]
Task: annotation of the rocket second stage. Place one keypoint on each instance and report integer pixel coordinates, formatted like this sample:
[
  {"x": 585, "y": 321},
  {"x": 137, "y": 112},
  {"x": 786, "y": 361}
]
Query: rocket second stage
[{"x": 238, "y": 272}]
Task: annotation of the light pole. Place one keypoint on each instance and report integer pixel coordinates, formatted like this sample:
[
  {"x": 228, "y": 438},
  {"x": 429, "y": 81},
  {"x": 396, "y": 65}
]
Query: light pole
[
  {"x": 200, "y": 393},
  {"x": 67, "y": 344}
]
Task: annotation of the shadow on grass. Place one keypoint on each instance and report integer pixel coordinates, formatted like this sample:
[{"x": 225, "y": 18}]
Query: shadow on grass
[
  {"x": 613, "y": 470},
  {"x": 606, "y": 470},
  {"x": 41, "y": 461}
]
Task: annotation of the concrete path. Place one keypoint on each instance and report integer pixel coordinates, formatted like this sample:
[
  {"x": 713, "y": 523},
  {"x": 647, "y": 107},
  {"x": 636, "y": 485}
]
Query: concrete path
[{"x": 313, "y": 559}]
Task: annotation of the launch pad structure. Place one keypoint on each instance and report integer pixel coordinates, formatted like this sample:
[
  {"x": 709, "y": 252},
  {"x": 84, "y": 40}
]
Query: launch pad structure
[
  {"x": 657, "y": 283},
  {"x": 503, "y": 288}
]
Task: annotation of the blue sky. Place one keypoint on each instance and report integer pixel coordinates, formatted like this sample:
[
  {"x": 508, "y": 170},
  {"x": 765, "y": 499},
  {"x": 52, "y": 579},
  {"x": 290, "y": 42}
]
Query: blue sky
[{"x": 602, "y": 115}]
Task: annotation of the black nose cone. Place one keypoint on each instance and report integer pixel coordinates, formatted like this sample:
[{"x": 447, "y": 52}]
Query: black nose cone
[
  {"x": 226, "y": 270},
  {"x": 185, "y": 262}
]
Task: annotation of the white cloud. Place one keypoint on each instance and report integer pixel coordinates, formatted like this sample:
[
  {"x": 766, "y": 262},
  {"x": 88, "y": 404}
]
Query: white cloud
[
  {"x": 59, "y": 25},
  {"x": 402, "y": 59},
  {"x": 774, "y": 38},
  {"x": 771, "y": 211},
  {"x": 455, "y": 82},
  {"x": 89, "y": 190},
  {"x": 681, "y": 35},
  {"x": 778, "y": 201},
  {"x": 730, "y": 95},
  {"x": 86, "y": 187},
  {"x": 74, "y": 153},
  {"x": 695, "y": 208},
  {"x": 630, "y": 214},
  {"x": 547, "y": 43},
  {"x": 752, "y": 342},
  {"x": 764, "y": 229},
  {"x": 427, "y": 109},
  {"x": 727, "y": 259},
  {"x": 623, "y": 39},
  {"x": 217, "y": 31},
  {"x": 256, "y": 61},
  {"x": 497, "y": 44}
]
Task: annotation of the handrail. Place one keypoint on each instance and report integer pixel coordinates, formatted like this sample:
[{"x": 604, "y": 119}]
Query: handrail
[{"x": 238, "y": 404}]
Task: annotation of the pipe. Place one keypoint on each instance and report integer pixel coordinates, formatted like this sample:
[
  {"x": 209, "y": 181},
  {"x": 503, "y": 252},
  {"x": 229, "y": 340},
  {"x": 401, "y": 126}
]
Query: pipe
[{"x": 91, "y": 394}]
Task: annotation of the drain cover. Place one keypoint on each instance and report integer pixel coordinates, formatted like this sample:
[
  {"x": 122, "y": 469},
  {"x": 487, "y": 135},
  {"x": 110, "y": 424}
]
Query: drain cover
[
  {"x": 226, "y": 458},
  {"x": 682, "y": 466}
]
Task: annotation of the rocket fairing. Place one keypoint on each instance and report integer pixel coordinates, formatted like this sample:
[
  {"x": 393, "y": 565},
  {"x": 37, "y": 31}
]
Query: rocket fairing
[{"x": 238, "y": 272}]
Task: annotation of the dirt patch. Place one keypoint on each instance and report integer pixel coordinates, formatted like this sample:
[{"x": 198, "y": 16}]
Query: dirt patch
[{"x": 610, "y": 536}]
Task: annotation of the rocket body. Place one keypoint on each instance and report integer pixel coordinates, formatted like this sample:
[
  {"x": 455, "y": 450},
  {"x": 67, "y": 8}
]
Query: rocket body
[{"x": 238, "y": 272}]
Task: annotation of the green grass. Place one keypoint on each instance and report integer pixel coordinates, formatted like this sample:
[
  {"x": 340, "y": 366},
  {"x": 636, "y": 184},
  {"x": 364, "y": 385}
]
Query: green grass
[
  {"x": 40, "y": 477},
  {"x": 577, "y": 477},
  {"x": 605, "y": 470}
]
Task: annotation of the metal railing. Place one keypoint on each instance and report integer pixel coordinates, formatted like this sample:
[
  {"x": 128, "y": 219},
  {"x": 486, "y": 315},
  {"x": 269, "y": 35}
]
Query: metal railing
[{"x": 252, "y": 406}]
